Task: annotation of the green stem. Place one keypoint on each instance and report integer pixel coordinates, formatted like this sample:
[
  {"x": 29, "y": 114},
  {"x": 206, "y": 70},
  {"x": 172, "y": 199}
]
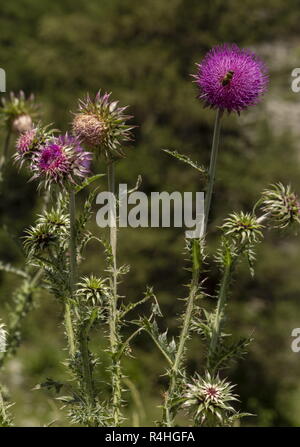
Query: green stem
[
  {"x": 212, "y": 168},
  {"x": 168, "y": 413},
  {"x": 86, "y": 362},
  {"x": 69, "y": 329},
  {"x": 73, "y": 250},
  {"x": 219, "y": 312},
  {"x": 73, "y": 275},
  {"x": 113, "y": 316},
  {"x": 222, "y": 298}
]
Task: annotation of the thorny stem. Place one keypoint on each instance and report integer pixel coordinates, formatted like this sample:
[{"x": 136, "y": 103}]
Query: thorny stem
[
  {"x": 222, "y": 298},
  {"x": 69, "y": 329},
  {"x": 73, "y": 275},
  {"x": 168, "y": 413},
  {"x": 212, "y": 168},
  {"x": 220, "y": 311},
  {"x": 113, "y": 316},
  {"x": 73, "y": 254},
  {"x": 83, "y": 336},
  {"x": 87, "y": 370}
]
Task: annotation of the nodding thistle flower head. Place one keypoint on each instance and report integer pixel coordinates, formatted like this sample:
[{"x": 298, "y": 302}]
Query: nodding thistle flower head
[
  {"x": 210, "y": 398},
  {"x": 39, "y": 238},
  {"x": 281, "y": 205},
  {"x": 18, "y": 112},
  {"x": 92, "y": 290},
  {"x": 101, "y": 125},
  {"x": 243, "y": 227},
  {"x": 230, "y": 78},
  {"x": 61, "y": 160},
  {"x": 30, "y": 141}
]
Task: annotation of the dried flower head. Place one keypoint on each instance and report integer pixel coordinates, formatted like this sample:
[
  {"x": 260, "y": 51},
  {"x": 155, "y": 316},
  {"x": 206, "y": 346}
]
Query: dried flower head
[
  {"x": 30, "y": 141},
  {"x": 61, "y": 160},
  {"x": 281, "y": 205},
  {"x": 18, "y": 112},
  {"x": 230, "y": 78},
  {"x": 211, "y": 400},
  {"x": 243, "y": 227},
  {"x": 92, "y": 290},
  {"x": 101, "y": 125}
]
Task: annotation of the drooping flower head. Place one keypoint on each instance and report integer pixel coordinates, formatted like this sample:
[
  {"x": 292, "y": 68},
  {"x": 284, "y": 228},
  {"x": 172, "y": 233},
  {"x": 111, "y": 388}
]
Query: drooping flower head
[
  {"x": 281, "y": 205},
  {"x": 101, "y": 125},
  {"x": 18, "y": 112},
  {"x": 230, "y": 78},
  {"x": 61, "y": 160},
  {"x": 30, "y": 141}
]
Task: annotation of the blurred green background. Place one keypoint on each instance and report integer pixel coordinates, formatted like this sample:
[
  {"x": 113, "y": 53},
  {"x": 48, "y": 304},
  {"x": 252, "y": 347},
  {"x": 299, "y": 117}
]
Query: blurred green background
[{"x": 144, "y": 52}]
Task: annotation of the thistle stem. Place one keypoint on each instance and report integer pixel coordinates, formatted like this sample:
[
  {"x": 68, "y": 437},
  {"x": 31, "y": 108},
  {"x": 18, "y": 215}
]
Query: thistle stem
[
  {"x": 113, "y": 316},
  {"x": 222, "y": 297},
  {"x": 212, "y": 167},
  {"x": 73, "y": 275},
  {"x": 87, "y": 369},
  {"x": 168, "y": 413},
  {"x": 69, "y": 329},
  {"x": 220, "y": 311},
  {"x": 73, "y": 254}
]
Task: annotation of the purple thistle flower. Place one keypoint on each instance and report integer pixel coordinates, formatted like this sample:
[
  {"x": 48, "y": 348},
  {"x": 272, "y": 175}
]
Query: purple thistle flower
[
  {"x": 30, "y": 141},
  {"x": 61, "y": 160},
  {"x": 25, "y": 141},
  {"x": 230, "y": 78},
  {"x": 102, "y": 125}
]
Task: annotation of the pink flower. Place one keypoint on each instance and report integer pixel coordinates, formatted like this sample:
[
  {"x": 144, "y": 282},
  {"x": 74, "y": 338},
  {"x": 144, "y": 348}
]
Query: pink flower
[
  {"x": 230, "y": 78},
  {"x": 61, "y": 160}
]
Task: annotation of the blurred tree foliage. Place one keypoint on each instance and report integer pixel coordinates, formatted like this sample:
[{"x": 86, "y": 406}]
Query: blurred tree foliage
[{"x": 144, "y": 52}]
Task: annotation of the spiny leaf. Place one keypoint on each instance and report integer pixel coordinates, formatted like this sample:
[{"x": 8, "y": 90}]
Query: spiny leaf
[
  {"x": 187, "y": 160},
  {"x": 87, "y": 182}
]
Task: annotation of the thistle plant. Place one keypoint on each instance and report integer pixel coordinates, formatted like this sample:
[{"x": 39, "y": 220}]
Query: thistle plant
[
  {"x": 55, "y": 244},
  {"x": 229, "y": 79},
  {"x": 102, "y": 126}
]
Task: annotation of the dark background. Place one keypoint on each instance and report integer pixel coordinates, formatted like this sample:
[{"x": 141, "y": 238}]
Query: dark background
[{"x": 144, "y": 52}]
